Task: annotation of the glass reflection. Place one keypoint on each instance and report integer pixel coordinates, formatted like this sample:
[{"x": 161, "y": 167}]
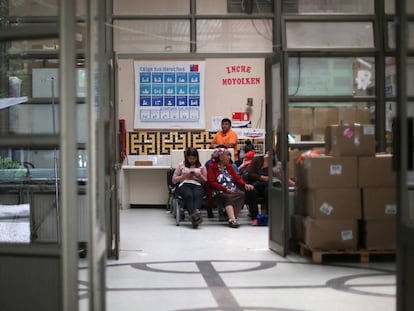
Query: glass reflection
[{"x": 331, "y": 76}]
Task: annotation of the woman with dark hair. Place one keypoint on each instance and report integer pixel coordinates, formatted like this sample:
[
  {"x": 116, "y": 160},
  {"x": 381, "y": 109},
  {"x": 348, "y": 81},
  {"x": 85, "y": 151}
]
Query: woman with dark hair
[
  {"x": 225, "y": 182},
  {"x": 191, "y": 176}
]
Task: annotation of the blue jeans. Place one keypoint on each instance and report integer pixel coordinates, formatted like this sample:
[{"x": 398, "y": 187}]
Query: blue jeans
[{"x": 192, "y": 196}]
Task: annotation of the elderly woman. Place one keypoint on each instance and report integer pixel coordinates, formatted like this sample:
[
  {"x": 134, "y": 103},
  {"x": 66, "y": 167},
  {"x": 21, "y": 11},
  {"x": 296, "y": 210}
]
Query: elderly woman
[
  {"x": 191, "y": 176},
  {"x": 225, "y": 182}
]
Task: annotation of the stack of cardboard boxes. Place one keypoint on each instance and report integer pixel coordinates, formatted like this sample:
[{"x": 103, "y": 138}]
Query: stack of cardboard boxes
[
  {"x": 346, "y": 197},
  {"x": 377, "y": 182},
  {"x": 309, "y": 123}
]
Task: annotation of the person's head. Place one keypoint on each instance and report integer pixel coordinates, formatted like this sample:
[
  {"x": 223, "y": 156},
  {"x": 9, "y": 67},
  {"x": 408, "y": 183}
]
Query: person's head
[
  {"x": 248, "y": 146},
  {"x": 222, "y": 155},
  {"x": 191, "y": 157},
  {"x": 225, "y": 124}
]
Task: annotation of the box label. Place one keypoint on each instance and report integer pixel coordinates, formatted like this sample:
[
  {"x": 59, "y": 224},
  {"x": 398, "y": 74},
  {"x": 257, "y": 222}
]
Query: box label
[
  {"x": 390, "y": 209},
  {"x": 368, "y": 130},
  {"x": 326, "y": 208},
  {"x": 346, "y": 235},
  {"x": 335, "y": 169}
]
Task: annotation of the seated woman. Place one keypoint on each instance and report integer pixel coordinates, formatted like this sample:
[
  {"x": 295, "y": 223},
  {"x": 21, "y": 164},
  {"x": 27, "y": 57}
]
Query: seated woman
[
  {"x": 191, "y": 176},
  {"x": 224, "y": 182},
  {"x": 211, "y": 204},
  {"x": 256, "y": 174}
]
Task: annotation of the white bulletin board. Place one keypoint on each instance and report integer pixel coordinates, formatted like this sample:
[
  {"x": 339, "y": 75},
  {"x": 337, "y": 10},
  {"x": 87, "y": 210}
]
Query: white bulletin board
[{"x": 169, "y": 95}]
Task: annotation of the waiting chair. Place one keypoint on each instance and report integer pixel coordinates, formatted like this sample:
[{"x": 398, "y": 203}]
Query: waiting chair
[{"x": 175, "y": 201}]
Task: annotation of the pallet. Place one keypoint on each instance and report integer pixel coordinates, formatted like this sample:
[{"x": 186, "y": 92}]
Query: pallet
[{"x": 364, "y": 254}]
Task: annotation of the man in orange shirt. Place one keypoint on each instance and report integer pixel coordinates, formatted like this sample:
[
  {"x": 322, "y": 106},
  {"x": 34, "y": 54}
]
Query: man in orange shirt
[{"x": 226, "y": 137}]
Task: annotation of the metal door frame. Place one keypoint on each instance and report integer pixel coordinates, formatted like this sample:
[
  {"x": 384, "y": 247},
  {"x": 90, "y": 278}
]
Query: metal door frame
[{"x": 403, "y": 153}]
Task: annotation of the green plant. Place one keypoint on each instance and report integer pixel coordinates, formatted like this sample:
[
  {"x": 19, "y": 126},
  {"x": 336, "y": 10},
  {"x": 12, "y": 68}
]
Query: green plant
[{"x": 7, "y": 163}]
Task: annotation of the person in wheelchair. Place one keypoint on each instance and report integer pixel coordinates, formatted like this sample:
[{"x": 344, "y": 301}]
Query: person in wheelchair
[
  {"x": 191, "y": 177},
  {"x": 225, "y": 184}
]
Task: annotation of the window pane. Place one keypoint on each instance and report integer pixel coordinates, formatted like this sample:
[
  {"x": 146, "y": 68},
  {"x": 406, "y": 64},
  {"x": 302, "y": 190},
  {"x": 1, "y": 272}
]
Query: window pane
[
  {"x": 41, "y": 8},
  {"x": 391, "y": 79},
  {"x": 329, "y": 7},
  {"x": 390, "y": 6},
  {"x": 391, "y": 35},
  {"x": 152, "y": 7},
  {"x": 329, "y": 35},
  {"x": 28, "y": 46},
  {"x": 146, "y": 36},
  {"x": 38, "y": 119},
  {"x": 215, "y": 36},
  {"x": 336, "y": 76},
  {"x": 211, "y": 7}
]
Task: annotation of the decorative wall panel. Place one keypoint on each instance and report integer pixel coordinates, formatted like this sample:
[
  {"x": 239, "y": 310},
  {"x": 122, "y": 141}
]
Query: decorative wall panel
[{"x": 162, "y": 142}]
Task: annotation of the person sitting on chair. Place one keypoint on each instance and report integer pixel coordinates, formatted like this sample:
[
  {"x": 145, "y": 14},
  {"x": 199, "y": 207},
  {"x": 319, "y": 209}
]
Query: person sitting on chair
[
  {"x": 224, "y": 182},
  {"x": 191, "y": 176},
  {"x": 220, "y": 208},
  {"x": 257, "y": 174}
]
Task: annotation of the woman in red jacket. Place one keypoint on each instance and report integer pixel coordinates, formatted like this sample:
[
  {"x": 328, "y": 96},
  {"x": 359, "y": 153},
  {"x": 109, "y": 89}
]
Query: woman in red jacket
[{"x": 224, "y": 181}]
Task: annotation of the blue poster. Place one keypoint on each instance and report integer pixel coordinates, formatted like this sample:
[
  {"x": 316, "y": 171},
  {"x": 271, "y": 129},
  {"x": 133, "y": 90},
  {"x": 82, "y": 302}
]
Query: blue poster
[{"x": 169, "y": 95}]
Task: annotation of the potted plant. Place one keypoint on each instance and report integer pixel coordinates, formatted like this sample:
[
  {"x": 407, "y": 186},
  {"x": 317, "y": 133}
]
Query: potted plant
[{"x": 11, "y": 169}]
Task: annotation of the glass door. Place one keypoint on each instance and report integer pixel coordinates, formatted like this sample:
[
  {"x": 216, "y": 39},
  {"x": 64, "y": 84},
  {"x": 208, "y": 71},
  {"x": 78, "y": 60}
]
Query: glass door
[{"x": 276, "y": 145}]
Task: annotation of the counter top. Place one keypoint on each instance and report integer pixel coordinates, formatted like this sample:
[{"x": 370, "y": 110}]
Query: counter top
[{"x": 149, "y": 167}]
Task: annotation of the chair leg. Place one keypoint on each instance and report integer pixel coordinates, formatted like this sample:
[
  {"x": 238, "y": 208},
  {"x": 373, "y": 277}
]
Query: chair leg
[
  {"x": 210, "y": 213},
  {"x": 177, "y": 213}
]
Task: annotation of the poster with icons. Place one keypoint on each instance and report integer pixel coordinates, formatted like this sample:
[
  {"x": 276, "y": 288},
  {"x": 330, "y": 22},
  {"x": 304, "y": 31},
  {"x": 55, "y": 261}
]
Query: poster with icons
[{"x": 169, "y": 95}]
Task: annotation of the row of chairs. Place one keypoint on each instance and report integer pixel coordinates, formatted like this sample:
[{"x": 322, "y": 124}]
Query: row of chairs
[{"x": 175, "y": 201}]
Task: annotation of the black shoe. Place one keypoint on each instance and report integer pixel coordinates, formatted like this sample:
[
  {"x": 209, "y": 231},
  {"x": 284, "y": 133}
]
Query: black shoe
[
  {"x": 210, "y": 214},
  {"x": 233, "y": 224},
  {"x": 196, "y": 219}
]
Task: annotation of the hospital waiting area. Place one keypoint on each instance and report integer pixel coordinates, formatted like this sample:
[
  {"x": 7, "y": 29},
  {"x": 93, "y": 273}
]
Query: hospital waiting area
[{"x": 300, "y": 113}]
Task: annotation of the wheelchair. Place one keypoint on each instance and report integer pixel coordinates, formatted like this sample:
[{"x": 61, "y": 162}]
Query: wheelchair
[{"x": 175, "y": 201}]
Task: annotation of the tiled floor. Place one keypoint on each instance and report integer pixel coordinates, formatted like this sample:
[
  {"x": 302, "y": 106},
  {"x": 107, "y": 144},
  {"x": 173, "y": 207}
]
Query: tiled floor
[{"x": 165, "y": 267}]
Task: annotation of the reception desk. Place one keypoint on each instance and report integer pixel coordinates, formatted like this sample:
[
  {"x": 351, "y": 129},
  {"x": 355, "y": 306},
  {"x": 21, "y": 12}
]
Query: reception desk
[{"x": 143, "y": 185}]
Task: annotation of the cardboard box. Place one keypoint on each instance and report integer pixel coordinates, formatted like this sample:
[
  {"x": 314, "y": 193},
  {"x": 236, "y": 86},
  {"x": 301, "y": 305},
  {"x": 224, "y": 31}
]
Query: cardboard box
[
  {"x": 380, "y": 234},
  {"x": 143, "y": 163},
  {"x": 293, "y": 154},
  {"x": 351, "y": 115},
  {"x": 300, "y": 121},
  {"x": 323, "y": 117},
  {"x": 379, "y": 203},
  {"x": 332, "y": 234},
  {"x": 298, "y": 228},
  {"x": 329, "y": 203},
  {"x": 350, "y": 140},
  {"x": 328, "y": 172},
  {"x": 376, "y": 171}
]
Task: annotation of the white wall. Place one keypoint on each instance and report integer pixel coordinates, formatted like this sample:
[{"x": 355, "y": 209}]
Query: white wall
[{"x": 220, "y": 99}]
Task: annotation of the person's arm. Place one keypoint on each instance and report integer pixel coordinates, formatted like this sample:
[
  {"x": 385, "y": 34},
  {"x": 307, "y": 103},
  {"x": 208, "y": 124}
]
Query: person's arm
[
  {"x": 254, "y": 169},
  {"x": 214, "y": 142},
  {"x": 212, "y": 179},
  {"x": 236, "y": 177},
  {"x": 177, "y": 174},
  {"x": 202, "y": 174},
  {"x": 238, "y": 180}
]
